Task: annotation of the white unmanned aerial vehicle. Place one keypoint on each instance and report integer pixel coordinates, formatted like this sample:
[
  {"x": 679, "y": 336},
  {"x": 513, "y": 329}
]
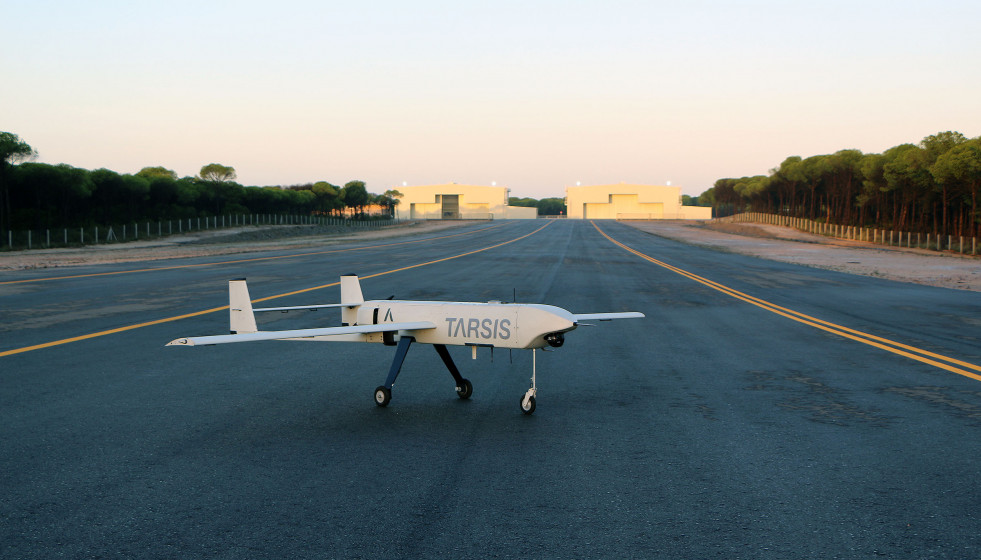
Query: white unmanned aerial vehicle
[{"x": 394, "y": 322}]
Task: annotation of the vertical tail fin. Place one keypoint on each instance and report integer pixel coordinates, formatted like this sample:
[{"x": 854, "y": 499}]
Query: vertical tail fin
[
  {"x": 351, "y": 296},
  {"x": 240, "y": 316}
]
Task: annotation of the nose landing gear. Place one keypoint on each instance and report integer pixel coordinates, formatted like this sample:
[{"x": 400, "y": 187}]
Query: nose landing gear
[{"x": 528, "y": 400}]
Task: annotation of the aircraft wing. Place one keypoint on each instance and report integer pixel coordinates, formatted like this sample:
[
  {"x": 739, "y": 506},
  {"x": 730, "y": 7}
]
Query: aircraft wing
[
  {"x": 300, "y": 333},
  {"x": 607, "y": 316}
]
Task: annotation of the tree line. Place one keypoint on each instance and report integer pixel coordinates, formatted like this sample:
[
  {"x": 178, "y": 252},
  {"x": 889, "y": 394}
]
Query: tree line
[
  {"x": 38, "y": 195},
  {"x": 932, "y": 186},
  {"x": 545, "y": 206}
]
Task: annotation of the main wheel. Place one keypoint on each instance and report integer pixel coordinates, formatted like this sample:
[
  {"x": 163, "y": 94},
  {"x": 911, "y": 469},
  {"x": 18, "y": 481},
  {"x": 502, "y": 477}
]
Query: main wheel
[
  {"x": 465, "y": 389},
  {"x": 530, "y": 407},
  {"x": 383, "y": 396}
]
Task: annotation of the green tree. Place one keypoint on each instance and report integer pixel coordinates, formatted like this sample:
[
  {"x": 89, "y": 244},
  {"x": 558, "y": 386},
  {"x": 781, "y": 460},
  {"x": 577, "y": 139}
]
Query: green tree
[
  {"x": 785, "y": 180},
  {"x": 935, "y": 146},
  {"x": 907, "y": 177},
  {"x": 959, "y": 170},
  {"x": 727, "y": 201},
  {"x": 843, "y": 181},
  {"x": 938, "y": 144},
  {"x": 12, "y": 150},
  {"x": 328, "y": 197},
  {"x": 356, "y": 196},
  {"x": 873, "y": 192},
  {"x": 750, "y": 189},
  {"x": 53, "y": 195},
  {"x": 524, "y": 202},
  {"x": 390, "y": 199},
  {"x": 302, "y": 201},
  {"x": 707, "y": 198},
  {"x": 815, "y": 170},
  {"x": 551, "y": 207},
  {"x": 220, "y": 177},
  {"x": 150, "y": 173},
  {"x": 217, "y": 173},
  {"x": 118, "y": 198}
]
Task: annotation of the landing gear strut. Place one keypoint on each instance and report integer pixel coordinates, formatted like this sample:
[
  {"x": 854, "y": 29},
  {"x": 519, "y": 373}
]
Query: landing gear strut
[
  {"x": 383, "y": 394},
  {"x": 464, "y": 389}
]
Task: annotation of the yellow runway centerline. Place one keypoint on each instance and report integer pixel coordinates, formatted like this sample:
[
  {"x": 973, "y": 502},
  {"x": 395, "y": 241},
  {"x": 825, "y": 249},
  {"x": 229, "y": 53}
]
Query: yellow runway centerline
[
  {"x": 206, "y": 311},
  {"x": 953, "y": 365}
]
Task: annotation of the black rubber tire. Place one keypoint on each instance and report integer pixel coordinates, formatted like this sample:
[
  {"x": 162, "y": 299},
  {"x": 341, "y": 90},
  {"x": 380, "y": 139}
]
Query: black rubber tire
[
  {"x": 531, "y": 405},
  {"x": 465, "y": 390},
  {"x": 383, "y": 396}
]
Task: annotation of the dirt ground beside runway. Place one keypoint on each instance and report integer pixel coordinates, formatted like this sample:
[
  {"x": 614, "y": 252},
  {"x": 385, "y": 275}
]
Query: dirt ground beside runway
[
  {"x": 779, "y": 243},
  {"x": 211, "y": 242}
]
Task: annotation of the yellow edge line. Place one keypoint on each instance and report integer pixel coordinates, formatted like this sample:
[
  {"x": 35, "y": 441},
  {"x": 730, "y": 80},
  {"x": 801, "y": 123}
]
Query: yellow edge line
[
  {"x": 175, "y": 267},
  {"x": 205, "y": 312},
  {"x": 898, "y": 348}
]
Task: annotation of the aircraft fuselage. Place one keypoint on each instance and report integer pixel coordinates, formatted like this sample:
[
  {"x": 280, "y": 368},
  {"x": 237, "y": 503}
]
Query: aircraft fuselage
[{"x": 503, "y": 325}]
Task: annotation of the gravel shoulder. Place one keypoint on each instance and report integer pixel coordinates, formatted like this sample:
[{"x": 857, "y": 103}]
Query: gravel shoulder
[
  {"x": 214, "y": 242},
  {"x": 779, "y": 243}
]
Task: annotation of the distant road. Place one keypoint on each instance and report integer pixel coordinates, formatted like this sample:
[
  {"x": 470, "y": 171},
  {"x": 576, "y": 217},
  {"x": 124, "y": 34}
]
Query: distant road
[{"x": 761, "y": 410}]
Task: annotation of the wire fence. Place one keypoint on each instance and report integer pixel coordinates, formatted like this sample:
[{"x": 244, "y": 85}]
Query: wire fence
[
  {"x": 143, "y": 231},
  {"x": 893, "y": 238}
]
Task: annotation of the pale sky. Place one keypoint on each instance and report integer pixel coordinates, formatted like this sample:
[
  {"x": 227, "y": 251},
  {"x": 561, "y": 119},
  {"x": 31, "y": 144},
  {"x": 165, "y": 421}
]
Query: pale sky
[{"x": 533, "y": 95}]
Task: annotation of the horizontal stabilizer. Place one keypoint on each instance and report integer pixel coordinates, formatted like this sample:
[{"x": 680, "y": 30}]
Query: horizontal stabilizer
[
  {"x": 607, "y": 316},
  {"x": 300, "y": 333}
]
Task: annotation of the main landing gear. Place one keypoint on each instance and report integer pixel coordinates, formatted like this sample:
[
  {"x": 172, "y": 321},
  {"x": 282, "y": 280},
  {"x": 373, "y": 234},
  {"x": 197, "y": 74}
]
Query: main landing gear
[
  {"x": 464, "y": 389},
  {"x": 383, "y": 394}
]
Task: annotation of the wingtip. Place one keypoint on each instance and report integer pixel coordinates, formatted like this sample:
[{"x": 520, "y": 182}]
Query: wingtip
[{"x": 180, "y": 342}]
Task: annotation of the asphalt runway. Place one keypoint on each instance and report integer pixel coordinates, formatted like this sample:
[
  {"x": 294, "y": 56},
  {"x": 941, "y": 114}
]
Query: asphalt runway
[{"x": 717, "y": 427}]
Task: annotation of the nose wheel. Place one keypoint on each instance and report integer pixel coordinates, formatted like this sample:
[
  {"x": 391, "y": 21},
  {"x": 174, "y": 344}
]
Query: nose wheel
[{"x": 528, "y": 403}]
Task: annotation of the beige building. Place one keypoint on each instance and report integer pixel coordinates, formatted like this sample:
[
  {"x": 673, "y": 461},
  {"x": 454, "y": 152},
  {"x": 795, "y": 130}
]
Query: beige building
[
  {"x": 451, "y": 201},
  {"x": 631, "y": 202}
]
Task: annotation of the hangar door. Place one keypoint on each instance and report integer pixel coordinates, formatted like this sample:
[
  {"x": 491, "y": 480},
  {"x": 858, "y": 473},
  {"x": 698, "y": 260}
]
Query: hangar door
[{"x": 451, "y": 206}]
